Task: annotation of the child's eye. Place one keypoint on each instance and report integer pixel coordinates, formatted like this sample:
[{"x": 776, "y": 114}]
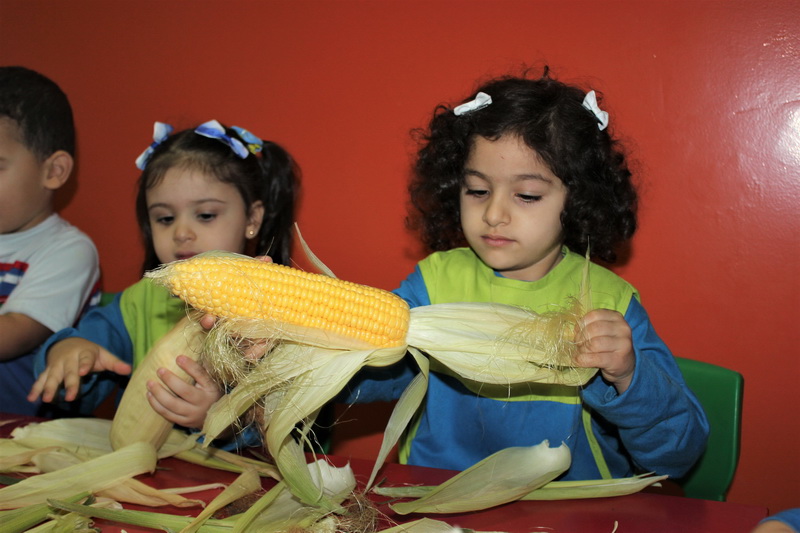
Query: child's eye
[
  {"x": 206, "y": 217},
  {"x": 478, "y": 193},
  {"x": 165, "y": 220},
  {"x": 529, "y": 198}
]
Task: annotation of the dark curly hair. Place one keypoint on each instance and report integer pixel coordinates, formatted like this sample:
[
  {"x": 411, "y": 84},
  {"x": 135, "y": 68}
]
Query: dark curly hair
[
  {"x": 272, "y": 176},
  {"x": 548, "y": 115}
]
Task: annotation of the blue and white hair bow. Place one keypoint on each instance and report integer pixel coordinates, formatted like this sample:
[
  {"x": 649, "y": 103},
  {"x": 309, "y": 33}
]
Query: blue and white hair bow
[
  {"x": 480, "y": 101},
  {"x": 590, "y": 103},
  {"x": 254, "y": 144},
  {"x": 160, "y": 133},
  {"x": 214, "y": 130}
]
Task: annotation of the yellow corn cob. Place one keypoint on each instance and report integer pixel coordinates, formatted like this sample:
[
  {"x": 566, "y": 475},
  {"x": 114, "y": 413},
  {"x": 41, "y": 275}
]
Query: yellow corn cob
[
  {"x": 296, "y": 303},
  {"x": 134, "y": 419}
]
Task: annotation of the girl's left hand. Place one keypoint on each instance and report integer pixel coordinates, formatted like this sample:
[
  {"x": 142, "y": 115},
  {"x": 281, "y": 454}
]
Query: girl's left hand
[
  {"x": 180, "y": 402},
  {"x": 605, "y": 342}
]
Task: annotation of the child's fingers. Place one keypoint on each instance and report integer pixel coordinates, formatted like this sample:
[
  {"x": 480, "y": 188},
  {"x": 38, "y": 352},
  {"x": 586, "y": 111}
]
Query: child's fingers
[
  {"x": 176, "y": 409},
  {"x": 605, "y": 341},
  {"x": 174, "y": 385},
  {"x": 201, "y": 394},
  {"x": 165, "y": 403},
  {"x": 38, "y": 387},
  {"x": 63, "y": 372},
  {"x": 106, "y": 361},
  {"x": 196, "y": 371},
  {"x": 207, "y": 321},
  {"x": 89, "y": 359}
]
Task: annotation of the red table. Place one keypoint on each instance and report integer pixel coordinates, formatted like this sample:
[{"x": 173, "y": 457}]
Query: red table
[{"x": 642, "y": 512}]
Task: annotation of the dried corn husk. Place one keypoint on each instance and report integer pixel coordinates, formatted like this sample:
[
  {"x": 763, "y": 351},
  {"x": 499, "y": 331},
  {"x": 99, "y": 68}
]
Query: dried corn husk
[
  {"x": 502, "y": 477},
  {"x": 554, "y": 490},
  {"x": 91, "y": 476}
]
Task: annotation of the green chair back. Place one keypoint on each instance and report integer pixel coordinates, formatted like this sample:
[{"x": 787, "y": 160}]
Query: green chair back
[
  {"x": 719, "y": 391},
  {"x": 106, "y": 298}
]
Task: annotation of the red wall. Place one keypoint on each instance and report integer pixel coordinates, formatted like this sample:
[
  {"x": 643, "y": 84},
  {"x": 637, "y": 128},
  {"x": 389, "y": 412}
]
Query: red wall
[{"x": 706, "y": 93}]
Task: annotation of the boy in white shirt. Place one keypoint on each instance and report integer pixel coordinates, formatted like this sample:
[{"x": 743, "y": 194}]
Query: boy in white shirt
[{"x": 49, "y": 269}]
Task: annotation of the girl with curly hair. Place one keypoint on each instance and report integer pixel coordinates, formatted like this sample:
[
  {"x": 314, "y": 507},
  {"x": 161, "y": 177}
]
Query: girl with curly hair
[{"x": 512, "y": 188}]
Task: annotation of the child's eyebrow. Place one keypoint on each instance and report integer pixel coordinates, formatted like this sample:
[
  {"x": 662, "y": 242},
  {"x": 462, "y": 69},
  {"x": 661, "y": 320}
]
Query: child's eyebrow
[
  {"x": 194, "y": 202},
  {"x": 518, "y": 177},
  {"x": 206, "y": 200}
]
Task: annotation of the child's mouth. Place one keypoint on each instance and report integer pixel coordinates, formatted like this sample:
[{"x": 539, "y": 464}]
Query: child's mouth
[{"x": 496, "y": 240}]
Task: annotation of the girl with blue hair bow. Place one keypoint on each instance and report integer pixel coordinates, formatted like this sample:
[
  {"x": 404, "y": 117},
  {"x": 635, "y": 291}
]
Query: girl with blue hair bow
[{"x": 201, "y": 189}]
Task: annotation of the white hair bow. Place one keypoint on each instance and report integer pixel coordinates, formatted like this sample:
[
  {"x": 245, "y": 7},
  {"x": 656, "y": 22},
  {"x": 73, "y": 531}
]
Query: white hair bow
[
  {"x": 590, "y": 103},
  {"x": 480, "y": 101}
]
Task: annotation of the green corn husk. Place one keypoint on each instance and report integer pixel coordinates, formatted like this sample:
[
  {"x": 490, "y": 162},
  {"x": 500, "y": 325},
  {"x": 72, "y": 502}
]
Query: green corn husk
[
  {"x": 89, "y": 437},
  {"x": 247, "y": 483},
  {"x": 24, "y": 518},
  {"x": 555, "y": 490},
  {"x": 91, "y": 476},
  {"x": 66, "y": 523},
  {"x": 280, "y": 510},
  {"x": 502, "y": 477},
  {"x": 277, "y": 511},
  {"x": 159, "y": 521}
]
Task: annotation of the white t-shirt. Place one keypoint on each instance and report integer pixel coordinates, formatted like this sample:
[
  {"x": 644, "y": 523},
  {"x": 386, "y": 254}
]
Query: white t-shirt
[{"x": 47, "y": 272}]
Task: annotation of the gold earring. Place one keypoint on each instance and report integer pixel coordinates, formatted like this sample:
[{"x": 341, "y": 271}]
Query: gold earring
[{"x": 251, "y": 233}]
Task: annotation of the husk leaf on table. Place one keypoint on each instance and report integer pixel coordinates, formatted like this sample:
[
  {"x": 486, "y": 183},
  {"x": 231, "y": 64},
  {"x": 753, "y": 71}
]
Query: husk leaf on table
[
  {"x": 502, "y": 477},
  {"x": 91, "y": 476}
]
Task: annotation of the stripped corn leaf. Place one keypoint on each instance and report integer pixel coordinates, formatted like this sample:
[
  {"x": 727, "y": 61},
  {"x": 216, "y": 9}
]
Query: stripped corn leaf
[
  {"x": 555, "y": 490},
  {"x": 502, "y": 477},
  {"x": 92, "y": 476}
]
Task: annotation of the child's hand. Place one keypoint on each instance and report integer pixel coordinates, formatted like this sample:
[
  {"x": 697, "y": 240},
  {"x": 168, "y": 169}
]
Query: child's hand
[
  {"x": 180, "y": 402},
  {"x": 605, "y": 342},
  {"x": 67, "y": 362}
]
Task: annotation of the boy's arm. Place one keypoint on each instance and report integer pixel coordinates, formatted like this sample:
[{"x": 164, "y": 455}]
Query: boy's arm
[
  {"x": 21, "y": 335},
  {"x": 57, "y": 282}
]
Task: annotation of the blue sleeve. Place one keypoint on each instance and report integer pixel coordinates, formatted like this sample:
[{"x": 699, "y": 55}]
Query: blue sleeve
[
  {"x": 105, "y": 327},
  {"x": 660, "y": 422},
  {"x": 413, "y": 290},
  {"x": 790, "y": 517},
  {"x": 388, "y": 383}
]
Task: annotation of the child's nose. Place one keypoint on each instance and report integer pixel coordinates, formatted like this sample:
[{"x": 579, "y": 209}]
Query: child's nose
[
  {"x": 183, "y": 233},
  {"x": 496, "y": 212}
]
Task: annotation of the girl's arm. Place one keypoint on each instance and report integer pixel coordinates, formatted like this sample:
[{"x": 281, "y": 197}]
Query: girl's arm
[
  {"x": 660, "y": 422},
  {"x": 68, "y": 361},
  {"x": 104, "y": 327}
]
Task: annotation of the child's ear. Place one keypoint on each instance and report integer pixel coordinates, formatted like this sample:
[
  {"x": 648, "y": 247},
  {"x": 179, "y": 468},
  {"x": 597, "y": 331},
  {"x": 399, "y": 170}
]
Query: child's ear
[
  {"x": 256, "y": 217},
  {"x": 57, "y": 169}
]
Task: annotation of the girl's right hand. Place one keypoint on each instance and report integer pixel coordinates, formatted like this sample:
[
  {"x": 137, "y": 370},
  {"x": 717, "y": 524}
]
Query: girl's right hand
[{"x": 67, "y": 362}]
